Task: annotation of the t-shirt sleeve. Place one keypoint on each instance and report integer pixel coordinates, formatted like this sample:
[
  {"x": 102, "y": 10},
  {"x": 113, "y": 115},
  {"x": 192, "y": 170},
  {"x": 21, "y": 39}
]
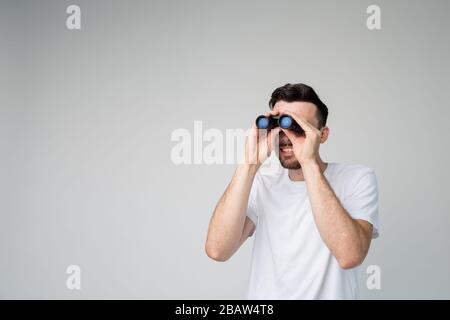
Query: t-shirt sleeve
[
  {"x": 361, "y": 201},
  {"x": 252, "y": 209}
]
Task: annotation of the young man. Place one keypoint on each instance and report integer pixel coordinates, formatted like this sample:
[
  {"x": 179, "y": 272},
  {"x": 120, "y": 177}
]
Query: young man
[{"x": 313, "y": 221}]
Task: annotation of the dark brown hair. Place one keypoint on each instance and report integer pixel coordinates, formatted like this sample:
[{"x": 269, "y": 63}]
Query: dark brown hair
[{"x": 302, "y": 93}]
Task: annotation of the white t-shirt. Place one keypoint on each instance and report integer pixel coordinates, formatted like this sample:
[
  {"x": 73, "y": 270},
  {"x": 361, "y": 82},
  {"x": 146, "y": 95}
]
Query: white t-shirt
[{"x": 290, "y": 260}]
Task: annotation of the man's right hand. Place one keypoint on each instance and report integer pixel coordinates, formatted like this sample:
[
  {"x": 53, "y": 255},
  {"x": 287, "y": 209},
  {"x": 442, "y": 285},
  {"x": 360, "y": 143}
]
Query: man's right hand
[
  {"x": 229, "y": 226},
  {"x": 260, "y": 142}
]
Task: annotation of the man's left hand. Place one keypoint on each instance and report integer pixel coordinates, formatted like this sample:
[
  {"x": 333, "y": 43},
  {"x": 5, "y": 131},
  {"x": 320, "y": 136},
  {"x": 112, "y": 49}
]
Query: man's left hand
[{"x": 306, "y": 146}]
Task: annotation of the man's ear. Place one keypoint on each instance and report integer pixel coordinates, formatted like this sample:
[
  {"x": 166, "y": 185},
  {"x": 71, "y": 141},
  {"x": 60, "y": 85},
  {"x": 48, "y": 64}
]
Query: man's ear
[{"x": 325, "y": 131}]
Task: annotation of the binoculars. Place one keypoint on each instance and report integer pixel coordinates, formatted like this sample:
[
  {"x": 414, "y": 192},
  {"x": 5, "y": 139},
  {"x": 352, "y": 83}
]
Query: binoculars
[{"x": 284, "y": 121}]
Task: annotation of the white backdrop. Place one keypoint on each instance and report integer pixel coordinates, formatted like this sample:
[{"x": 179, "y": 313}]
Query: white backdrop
[{"x": 86, "y": 176}]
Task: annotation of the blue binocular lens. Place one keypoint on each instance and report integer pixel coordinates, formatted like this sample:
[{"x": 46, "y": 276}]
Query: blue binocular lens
[
  {"x": 262, "y": 122},
  {"x": 283, "y": 121}
]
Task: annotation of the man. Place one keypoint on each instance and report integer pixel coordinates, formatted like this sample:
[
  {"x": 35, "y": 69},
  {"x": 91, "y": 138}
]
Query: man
[{"x": 313, "y": 221}]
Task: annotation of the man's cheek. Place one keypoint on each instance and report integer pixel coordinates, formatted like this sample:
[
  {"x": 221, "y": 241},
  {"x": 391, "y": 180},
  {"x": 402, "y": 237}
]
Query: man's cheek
[{"x": 299, "y": 142}]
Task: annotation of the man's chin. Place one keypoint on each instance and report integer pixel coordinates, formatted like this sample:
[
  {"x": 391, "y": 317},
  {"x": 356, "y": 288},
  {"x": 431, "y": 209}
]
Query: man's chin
[{"x": 290, "y": 164}]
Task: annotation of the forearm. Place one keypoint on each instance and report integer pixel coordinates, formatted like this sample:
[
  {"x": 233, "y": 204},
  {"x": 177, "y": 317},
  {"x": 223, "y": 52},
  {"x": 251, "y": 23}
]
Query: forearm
[
  {"x": 227, "y": 222},
  {"x": 340, "y": 232}
]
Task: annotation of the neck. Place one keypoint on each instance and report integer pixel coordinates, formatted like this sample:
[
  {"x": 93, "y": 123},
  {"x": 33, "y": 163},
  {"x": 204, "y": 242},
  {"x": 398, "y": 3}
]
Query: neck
[{"x": 297, "y": 174}]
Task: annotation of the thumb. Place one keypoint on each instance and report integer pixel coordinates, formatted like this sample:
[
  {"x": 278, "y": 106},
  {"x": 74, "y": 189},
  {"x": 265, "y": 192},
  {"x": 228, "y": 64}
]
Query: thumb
[
  {"x": 274, "y": 139},
  {"x": 291, "y": 136}
]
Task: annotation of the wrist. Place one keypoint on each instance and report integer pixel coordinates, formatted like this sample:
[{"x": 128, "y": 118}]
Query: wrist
[
  {"x": 311, "y": 165},
  {"x": 248, "y": 169}
]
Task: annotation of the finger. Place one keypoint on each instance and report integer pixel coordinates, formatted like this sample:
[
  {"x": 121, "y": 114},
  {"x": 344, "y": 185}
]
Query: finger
[
  {"x": 251, "y": 148},
  {"x": 275, "y": 131},
  {"x": 273, "y": 140},
  {"x": 253, "y": 130},
  {"x": 291, "y": 135},
  {"x": 262, "y": 135},
  {"x": 274, "y": 112},
  {"x": 271, "y": 113}
]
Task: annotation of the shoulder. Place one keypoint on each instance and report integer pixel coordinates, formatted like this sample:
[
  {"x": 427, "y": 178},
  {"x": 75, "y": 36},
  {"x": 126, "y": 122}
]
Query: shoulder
[
  {"x": 351, "y": 171},
  {"x": 351, "y": 175}
]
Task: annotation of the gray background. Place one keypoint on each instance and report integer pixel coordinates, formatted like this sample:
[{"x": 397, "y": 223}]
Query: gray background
[{"x": 86, "y": 117}]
